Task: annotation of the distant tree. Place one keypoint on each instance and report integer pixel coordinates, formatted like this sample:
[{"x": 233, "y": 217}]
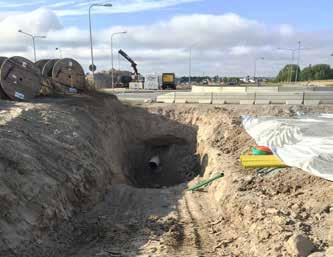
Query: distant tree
[
  {"x": 288, "y": 73},
  {"x": 232, "y": 80},
  {"x": 321, "y": 71},
  {"x": 307, "y": 74},
  {"x": 183, "y": 79},
  {"x": 317, "y": 72}
]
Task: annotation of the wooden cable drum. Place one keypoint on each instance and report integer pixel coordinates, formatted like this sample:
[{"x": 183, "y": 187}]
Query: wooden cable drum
[
  {"x": 20, "y": 78},
  {"x": 2, "y": 60},
  {"x": 70, "y": 73},
  {"x": 2, "y": 93},
  {"x": 48, "y": 67},
  {"x": 41, "y": 63}
]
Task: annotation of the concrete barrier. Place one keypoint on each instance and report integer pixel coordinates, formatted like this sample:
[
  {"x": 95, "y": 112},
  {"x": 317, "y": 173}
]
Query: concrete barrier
[
  {"x": 233, "y": 98},
  {"x": 279, "y": 98},
  {"x": 188, "y": 97},
  {"x": 234, "y": 90},
  {"x": 323, "y": 89},
  {"x": 262, "y": 89},
  {"x": 295, "y": 89},
  {"x": 202, "y": 98},
  {"x": 181, "y": 98},
  {"x": 206, "y": 89},
  {"x": 291, "y": 98},
  {"x": 166, "y": 98},
  {"x": 218, "y": 89},
  {"x": 315, "y": 98}
]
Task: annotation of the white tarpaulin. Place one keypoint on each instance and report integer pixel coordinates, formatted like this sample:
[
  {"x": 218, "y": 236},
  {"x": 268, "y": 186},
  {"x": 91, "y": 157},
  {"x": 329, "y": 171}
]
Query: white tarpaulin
[{"x": 305, "y": 142}]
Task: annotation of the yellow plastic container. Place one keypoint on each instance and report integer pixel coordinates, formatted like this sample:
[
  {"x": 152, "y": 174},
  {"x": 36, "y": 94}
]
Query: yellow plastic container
[{"x": 261, "y": 161}]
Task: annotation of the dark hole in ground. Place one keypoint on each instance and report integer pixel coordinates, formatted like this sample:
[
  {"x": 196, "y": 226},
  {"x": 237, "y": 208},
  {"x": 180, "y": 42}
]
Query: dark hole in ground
[{"x": 163, "y": 161}]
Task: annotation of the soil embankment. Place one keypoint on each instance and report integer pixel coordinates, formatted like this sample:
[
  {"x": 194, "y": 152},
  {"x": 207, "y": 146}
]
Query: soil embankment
[{"x": 76, "y": 180}]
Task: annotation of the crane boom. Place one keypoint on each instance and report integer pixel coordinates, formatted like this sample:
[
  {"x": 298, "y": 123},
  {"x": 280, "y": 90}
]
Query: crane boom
[{"x": 134, "y": 65}]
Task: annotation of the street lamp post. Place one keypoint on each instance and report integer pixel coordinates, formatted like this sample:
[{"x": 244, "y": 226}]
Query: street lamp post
[
  {"x": 33, "y": 37},
  {"x": 293, "y": 51},
  {"x": 292, "y": 60},
  {"x": 298, "y": 59},
  {"x": 91, "y": 39},
  {"x": 190, "y": 64},
  {"x": 190, "y": 67},
  {"x": 112, "y": 72},
  {"x": 255, "y": 66}
]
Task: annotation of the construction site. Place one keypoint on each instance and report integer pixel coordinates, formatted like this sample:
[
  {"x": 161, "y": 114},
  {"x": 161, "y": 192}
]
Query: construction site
[
  {"x": 122, "y": 162},
  {"x": 85, "y": 174}
]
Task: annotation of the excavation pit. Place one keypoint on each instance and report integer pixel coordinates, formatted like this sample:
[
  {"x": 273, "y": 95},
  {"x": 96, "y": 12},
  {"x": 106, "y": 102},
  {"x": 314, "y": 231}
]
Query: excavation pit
[{"x": 163, "y": 161}]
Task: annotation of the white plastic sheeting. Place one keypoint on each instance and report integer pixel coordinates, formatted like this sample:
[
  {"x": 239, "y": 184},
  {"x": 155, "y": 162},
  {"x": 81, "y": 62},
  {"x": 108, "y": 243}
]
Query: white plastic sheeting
[{"x": 305, "y": 142}]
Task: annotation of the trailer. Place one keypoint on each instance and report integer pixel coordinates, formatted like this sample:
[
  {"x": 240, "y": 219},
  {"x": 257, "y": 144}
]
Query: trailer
[{"x": 152, "y": 82}]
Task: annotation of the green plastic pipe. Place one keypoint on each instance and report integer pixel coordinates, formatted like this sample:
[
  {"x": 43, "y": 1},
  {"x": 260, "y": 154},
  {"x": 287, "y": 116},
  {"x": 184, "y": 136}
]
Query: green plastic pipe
[{"x": 205, "y": 183}]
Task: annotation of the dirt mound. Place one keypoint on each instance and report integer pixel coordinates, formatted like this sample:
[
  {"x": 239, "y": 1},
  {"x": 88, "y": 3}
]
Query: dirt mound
[
  {"x": 62, "y": 155},
  {"x": 77, "y": 179}
]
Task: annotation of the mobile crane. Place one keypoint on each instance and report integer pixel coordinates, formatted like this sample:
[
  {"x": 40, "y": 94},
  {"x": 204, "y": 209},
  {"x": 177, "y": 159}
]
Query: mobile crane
[
  {"x": 129, "y": 59},
  {"x": 136, "y": 82}
]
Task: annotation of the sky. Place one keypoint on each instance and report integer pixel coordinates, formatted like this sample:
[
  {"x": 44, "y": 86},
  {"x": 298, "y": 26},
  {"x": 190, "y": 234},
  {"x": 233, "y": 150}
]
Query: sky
[{"x": 227, "y": 37}]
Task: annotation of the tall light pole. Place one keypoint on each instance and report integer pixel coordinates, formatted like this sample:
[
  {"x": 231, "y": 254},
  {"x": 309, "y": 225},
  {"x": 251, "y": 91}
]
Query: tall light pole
[
  {"x": 33, "y": 37},
  {"x": 190, "y": 68},
  {"x": 118, "y": 56},
  {"x": 91, "y": 39},
  {"x": 292, "y": 60},
  {"x": 293, "y": 51},
  {"x": 112, "y": 35},
  {"x": 255, "y": 66},
  {"x": 298, "y": 59},
  {"x": 190, "y": 64}
]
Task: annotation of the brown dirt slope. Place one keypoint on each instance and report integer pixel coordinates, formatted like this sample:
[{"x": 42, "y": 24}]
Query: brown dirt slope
[{"x": 73, "y": 182}]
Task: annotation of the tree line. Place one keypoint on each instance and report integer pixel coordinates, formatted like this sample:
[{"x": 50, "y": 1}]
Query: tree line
[{"x": 292, "y": 72}]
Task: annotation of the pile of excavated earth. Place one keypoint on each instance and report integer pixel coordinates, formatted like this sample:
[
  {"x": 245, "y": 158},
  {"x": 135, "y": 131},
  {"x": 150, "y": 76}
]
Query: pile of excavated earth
[{"x": 77, "y": 179}]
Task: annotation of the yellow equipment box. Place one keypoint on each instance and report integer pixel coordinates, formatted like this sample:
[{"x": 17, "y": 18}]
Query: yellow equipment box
[{"x": 261, "y": 161}]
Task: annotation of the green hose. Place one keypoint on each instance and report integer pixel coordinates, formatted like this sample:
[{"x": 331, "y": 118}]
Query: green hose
[{"x": 205, "y": 183}]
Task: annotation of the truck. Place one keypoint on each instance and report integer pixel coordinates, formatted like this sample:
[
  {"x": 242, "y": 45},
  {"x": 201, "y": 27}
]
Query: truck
[{"x": 168, "y": 81}]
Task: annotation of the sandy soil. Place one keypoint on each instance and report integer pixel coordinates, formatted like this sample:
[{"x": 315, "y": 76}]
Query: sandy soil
[{"x": 73, "y": 182}]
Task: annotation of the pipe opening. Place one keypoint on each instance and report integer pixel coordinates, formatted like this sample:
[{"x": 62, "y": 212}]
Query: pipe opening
[
  {"x": 154, "y": 162},
  {"x": 163, "y": 161}
]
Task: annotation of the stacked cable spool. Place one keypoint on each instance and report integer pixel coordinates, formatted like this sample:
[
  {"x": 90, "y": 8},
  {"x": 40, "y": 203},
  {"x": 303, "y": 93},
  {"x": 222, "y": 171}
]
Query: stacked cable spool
[
  {"x": 23, "y": 80},
  {"x": 20, "y": 79},
  {"x": 61, "y": 76}
]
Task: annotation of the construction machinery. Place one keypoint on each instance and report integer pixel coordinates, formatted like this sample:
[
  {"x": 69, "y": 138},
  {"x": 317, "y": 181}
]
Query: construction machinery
[
  {"x": 137, "y": 81},
  {"x": 168, "y": 81}
]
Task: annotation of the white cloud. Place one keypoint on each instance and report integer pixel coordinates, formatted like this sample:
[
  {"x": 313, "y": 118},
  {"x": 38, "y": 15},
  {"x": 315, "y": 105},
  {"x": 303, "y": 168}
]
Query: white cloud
[
  {"x": 80, "y": 7},
  {"x": 224, "y": 44},
  {"x": 286, "y": 30},
  {"x": 240, "y": 50},
  {"x": 39, "y": 21}
]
